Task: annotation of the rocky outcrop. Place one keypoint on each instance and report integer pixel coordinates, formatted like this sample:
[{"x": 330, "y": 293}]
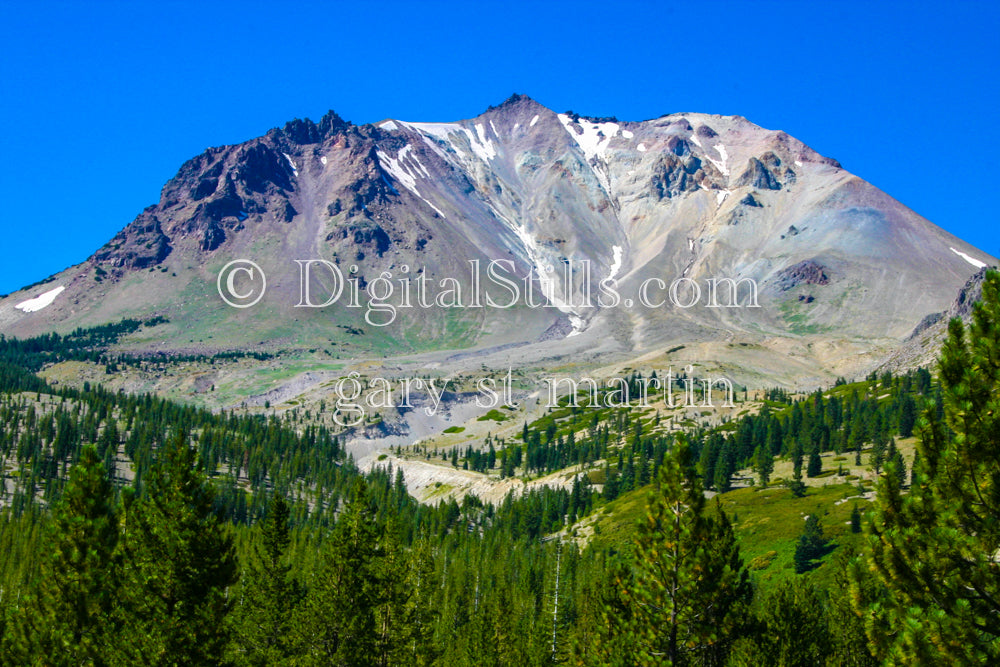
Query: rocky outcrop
[
  {"x": 808, "y": 272},
  {"x": 140, "y": 245},
  {"x": 758, "y": 176},
  {"x": 673, "y": 176},
  {"x": 967, "y": 297},
  {"x": 260, "y": 167}
]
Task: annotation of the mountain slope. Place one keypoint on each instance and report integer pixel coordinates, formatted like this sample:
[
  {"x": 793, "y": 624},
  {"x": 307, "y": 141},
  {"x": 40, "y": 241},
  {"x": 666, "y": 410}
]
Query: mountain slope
[{"x": 844, "y": 271}]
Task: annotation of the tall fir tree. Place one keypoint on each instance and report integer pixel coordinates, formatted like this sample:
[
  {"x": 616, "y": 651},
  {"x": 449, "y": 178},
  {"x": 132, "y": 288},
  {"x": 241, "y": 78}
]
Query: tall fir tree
[
  {"x": 815, "y": 466},
  {"x": 336, "y": 624},
  {"x": 812, "y": 545},
  {"x": 269, "y": 596},
  {"x": 934, "y": 550},
  {"x": 791, "y": 630},
  {"x": 69, "y": 621},
  {"x": 179, "y": 562},
  {"x": 763, "y": 464},
  {"x": 687, "y": 577}
]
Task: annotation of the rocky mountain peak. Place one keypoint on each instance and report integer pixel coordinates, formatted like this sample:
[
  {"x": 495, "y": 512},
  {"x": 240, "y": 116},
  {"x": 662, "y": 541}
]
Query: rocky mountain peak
[{"x": 689, "y": 195}]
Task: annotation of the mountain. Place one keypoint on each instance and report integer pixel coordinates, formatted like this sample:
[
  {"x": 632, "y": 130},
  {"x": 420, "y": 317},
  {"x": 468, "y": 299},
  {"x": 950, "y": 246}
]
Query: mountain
[{"x": 844, "y": 272}]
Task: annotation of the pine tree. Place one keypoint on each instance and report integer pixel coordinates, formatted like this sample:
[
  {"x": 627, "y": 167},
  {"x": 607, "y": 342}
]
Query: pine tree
[
  {"x": 796, "y": 454},
  {"x": 269, "y": 595},
  {"x": 895, "y": 463},
  {"x": 68, "y": 623},
  {"x": 687, "y": 577},
  {"x": 337, "y": 621},
  {"x": 907, "y": 416},
  {"x": 792, "y": 630},
  {"x": 934, "y": 549},
  {"x": 811, "y": 546},
  {"x": 606, "y": 614},
  {"x": 815, "y": 465},
  {"x": 422, "y": 650},
  {"x": 179, "y": 562},
  {"x": 877, "y": 456},
  {"x": 763, "y": 464},
  {"x": 394, "y": 623}
]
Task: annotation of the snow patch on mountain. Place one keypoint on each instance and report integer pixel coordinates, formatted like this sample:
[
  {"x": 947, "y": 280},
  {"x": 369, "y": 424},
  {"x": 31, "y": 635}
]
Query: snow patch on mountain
[
  {"x": 616, "y": 262},
  {"x": 291, "y": 163},
  {"x": 389, "y": 125},
  {"x": 549, "y": 282},
  {"x": 40, "y": 301},
  {"x": 720, "y": 165},
  {"x": 407, "y": 175},
  {"x": 595, "y": 138},
  {"x": 971, "y": 260},
  {"x": 483, "y": 148}
]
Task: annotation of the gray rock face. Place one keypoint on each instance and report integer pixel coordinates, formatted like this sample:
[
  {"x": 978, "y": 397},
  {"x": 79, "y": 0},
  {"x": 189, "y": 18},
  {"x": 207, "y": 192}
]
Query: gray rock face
[{"x": 759, "y": 176}]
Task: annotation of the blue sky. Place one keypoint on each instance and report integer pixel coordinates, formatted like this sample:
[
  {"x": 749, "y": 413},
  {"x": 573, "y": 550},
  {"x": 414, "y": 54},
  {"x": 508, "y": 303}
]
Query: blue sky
[{"x": 102, "y": 102}]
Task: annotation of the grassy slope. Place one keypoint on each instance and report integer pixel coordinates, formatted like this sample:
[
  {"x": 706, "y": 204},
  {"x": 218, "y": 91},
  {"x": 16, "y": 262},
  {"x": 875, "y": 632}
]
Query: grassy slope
[{"x": 768, "y": 523}]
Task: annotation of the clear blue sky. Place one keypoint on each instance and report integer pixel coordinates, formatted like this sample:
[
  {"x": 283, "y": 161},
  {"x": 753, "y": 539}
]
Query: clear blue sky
[{"x": 102, "y": 102}]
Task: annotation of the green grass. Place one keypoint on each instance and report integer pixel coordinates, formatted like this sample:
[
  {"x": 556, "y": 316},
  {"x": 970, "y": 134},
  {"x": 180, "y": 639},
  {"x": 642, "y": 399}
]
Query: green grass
[
  {"x": 798, "y": 320},
  {"x": 771, "y": 520},
  {"x": 454, "y": 429},
  {"x": 768, "y": 524}
]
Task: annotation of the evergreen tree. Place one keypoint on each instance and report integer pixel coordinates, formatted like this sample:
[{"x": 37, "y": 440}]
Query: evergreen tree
[
  {"x": 687, "y": 577},
  {"x": 934, "y": 550},
  {"x": 811, "y": 546},
  {"x": 791, "y": 630},
  {"x": 907, "y": 416},
  {"x": 877, "y": 457},
  {"x": 763, "y": 464},
  {"x": 68, "y": 623},
  {"x": 269, "y": 595},
  {"x": 894, "y": 461},
  {"x": 337, "y": 622},
  {"x": 797, "y": 461},
  {"x": 179, "y": 563},
  {"x": 815, "y": 465},
  {"x": 423, "y": 613}
]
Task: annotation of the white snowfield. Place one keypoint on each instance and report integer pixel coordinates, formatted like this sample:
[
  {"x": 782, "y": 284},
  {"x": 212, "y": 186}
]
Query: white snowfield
[
  {"x": 407, "y": 174},
  {"x": 40, "y": 301},
  {"x": 595, "y": 138},
  {"x": 971, "y": 260},
  {"x": 720, "y": 165},
  {"x": 616, "y": 262},
  {"x": 291, "y": 163},
  {"x": 481, "y": 147}
]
